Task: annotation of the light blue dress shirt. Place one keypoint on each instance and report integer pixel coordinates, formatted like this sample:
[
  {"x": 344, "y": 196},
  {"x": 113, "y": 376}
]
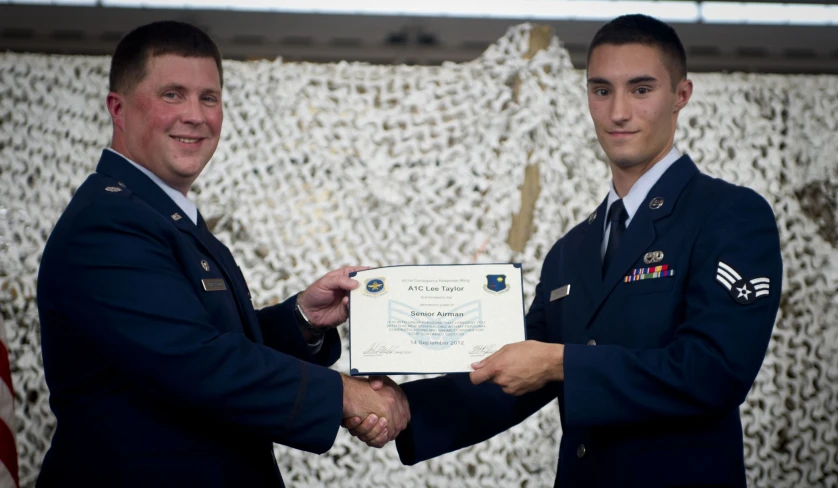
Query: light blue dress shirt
[
  {"x": 638, "y": 192},
  {"x": 191, "y": 212},
  {"x": 179, "y": 198}
]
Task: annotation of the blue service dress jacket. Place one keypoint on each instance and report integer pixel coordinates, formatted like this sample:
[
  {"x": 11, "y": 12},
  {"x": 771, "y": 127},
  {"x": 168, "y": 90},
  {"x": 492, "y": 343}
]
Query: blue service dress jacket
[
  {"x": 659, "y": 353},
  {"x": 160, "y": 371}
]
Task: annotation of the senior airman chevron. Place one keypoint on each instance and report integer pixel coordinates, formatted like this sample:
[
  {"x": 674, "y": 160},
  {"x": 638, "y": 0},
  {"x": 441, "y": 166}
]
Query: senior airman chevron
[
  {"x": 649, "y": 273},
  {"x": 739, "y": 288}
]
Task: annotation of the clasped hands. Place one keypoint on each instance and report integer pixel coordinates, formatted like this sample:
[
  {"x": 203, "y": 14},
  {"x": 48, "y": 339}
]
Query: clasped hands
[
  {"x": 376, "y": 410},
  {"x": 517, "y": 368},
  {"x": 380, "y": 403}
]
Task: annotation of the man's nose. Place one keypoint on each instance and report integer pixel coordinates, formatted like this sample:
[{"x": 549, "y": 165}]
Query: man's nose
[
  {"x": 193, "y": 112},
  {"x": 620, "y": 108}
]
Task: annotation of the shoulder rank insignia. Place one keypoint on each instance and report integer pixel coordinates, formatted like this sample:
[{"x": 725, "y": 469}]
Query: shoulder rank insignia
[{"x": 741, "y": 290}]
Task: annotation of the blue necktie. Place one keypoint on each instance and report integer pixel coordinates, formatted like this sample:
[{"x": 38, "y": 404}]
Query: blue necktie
[{"x": 617, "y": 215}]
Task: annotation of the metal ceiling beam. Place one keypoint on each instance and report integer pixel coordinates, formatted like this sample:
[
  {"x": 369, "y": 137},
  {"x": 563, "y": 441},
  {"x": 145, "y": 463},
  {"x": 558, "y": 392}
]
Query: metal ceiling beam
[{"x": 412, "y": 40}]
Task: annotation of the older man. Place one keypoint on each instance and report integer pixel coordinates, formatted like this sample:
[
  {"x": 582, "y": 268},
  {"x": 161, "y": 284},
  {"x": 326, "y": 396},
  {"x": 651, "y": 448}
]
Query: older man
[{"x": 160, "y": 371}]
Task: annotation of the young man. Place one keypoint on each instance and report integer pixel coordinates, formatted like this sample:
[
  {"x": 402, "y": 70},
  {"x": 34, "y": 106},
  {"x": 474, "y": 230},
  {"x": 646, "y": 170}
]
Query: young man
[
  {"x": 160, "y": 371},
  {"x": 675, "y": 283}
]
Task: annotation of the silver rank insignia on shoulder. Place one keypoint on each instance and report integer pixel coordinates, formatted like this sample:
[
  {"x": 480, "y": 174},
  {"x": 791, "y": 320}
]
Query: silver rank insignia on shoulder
[
  {"x": 205, "y": 264},
  {"x": 176, "y": 216},
  {"x": 653, "y": 257},
  {"x": 113, "y": 189},
  {"x": 560, "y": 292},
  {"x": 742, "y": 291},
  {"x": 592, "y": 217},
  {"x": 656, "y": 203}
]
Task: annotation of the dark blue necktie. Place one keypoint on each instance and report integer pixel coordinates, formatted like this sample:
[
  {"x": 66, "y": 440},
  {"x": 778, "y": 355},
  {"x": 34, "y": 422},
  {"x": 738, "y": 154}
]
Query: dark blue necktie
[{"x": 617, "y": 215}]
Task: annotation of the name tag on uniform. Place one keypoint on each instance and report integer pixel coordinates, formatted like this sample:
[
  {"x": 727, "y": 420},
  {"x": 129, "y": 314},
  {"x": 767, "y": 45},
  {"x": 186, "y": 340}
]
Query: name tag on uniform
[
  {"x": 559, "y": 293},
  {"x": 213, "y": 284}
]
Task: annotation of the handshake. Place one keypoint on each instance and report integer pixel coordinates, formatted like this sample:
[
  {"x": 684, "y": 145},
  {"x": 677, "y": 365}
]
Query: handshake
[{"x": 375, "y": 410}]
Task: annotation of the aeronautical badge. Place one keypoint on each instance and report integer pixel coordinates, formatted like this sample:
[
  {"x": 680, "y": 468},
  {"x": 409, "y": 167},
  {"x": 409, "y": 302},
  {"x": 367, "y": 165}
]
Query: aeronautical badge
[
  {"x": 653, "y": 257},
  {"x": 495, "y": 284},
  {"x": 742, "y": 290},
  {"x": 375, "y": 287}
]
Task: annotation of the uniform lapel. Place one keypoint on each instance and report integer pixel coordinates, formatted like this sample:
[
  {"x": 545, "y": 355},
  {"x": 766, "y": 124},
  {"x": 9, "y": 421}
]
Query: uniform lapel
[
  {"x": 239, "y": 288},
  {"x": 115, "y": 166},
  {"x": 586, "y": 262},
  {"x": 641, "y": 233}
]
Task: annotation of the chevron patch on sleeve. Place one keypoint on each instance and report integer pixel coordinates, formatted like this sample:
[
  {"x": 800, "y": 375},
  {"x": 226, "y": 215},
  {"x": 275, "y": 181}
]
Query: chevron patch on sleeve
[{"x": 741, "y": 290}]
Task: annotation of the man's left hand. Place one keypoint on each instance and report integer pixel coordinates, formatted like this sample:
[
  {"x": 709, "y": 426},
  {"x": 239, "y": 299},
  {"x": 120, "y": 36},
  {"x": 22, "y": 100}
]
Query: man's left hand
[
  {"x": 325, "y": 301},
  {"x": 521, "y": 367}
]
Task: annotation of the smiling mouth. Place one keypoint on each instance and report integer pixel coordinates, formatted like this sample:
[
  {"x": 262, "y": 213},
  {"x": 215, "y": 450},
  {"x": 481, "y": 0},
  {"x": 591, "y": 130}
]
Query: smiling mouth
[{"x": 186, "y": 140}]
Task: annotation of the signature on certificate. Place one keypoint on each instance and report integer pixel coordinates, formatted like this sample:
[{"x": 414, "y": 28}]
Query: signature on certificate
[
  {"x": 482, "y": 349},
  {"x": 377, "y": 349}
]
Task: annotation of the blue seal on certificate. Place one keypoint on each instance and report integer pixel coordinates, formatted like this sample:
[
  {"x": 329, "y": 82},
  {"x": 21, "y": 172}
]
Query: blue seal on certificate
[
  {"x": 496, "y": 283},
  {"x": 374, "y": 287}
]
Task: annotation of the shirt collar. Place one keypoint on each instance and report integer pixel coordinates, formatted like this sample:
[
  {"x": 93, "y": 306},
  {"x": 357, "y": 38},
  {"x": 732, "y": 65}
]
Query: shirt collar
[
  {"x": 179, "y": 198},
  {"x": 637, "y": 193}
]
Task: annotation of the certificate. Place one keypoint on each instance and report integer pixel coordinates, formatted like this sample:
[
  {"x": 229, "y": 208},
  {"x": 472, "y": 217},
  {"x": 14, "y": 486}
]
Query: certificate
[{"x": 433, "y": 319}]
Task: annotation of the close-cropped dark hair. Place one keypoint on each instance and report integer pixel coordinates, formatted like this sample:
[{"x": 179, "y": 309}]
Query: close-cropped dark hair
[
  {"x": 128, "y": 65},
  {"x": 649, "y": 31}
]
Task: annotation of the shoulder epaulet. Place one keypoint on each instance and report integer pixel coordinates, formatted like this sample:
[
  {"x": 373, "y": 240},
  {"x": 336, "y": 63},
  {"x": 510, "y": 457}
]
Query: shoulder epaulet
[{"x": 117, "y": 187}]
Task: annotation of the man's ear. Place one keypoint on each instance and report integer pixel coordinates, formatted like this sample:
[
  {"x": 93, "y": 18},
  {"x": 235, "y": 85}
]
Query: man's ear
[
  {"x": 116, "y": 107},
  {"x": 683, "y": 92}
]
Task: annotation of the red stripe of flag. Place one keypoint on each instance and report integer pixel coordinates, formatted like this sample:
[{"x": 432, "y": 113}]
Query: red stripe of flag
[{"x": 8, "y": 448}]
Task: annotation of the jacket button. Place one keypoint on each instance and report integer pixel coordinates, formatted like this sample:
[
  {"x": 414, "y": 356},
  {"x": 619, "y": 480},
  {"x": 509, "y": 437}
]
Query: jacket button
[
  {"x": 592, "y": 342},
  {"x": 580, "y": 451}
]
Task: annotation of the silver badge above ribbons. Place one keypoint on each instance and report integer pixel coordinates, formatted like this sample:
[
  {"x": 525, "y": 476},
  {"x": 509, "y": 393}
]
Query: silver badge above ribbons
[{"x": 653, "y": 257}]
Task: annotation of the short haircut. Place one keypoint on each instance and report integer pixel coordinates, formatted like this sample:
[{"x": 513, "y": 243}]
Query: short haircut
[
  {"x": 649, "y": 31},
  {"x": 129, "y": 62}
]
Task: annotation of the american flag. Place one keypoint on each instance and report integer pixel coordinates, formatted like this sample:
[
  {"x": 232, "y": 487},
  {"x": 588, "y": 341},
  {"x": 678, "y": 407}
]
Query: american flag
[{"x": 8, "y": 448}]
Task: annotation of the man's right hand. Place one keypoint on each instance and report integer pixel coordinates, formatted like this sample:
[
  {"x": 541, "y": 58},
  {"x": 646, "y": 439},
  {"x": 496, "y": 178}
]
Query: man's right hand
[{"x": 374, "y": 410}]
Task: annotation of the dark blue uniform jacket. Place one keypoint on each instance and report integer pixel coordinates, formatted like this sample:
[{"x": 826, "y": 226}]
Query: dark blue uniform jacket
[
  {"x": 655, "y": 368},
  {"x": 154, "y": 380}
]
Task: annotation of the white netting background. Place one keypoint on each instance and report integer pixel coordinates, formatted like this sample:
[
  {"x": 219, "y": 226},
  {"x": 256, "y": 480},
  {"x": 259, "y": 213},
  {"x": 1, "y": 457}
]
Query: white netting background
[{"x": 326, "y": 165}]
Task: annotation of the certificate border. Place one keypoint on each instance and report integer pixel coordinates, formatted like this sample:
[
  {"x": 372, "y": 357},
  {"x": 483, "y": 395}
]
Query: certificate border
[{"x": 355, "y": 372}]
